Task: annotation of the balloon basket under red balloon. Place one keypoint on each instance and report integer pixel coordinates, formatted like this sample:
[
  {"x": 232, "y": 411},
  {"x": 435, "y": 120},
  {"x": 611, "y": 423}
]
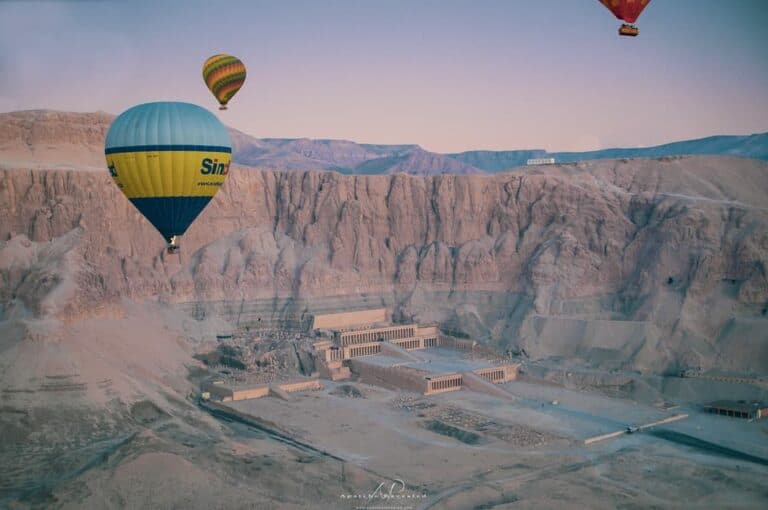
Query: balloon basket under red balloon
[
  {"x": 628, "y": 30},
  {"x": 222, "y": 107}
]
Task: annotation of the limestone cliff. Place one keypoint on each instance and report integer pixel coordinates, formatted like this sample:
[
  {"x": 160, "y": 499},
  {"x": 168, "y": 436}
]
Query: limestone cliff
[{"x": 657, "y": 263}]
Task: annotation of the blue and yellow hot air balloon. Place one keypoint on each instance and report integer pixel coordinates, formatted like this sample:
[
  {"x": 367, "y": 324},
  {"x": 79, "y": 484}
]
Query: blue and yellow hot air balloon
[{"x": 169, "y": 159}]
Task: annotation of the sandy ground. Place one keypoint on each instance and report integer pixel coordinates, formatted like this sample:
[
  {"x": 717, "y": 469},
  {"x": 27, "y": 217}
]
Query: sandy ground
[
  {"x": 632, "y": 471},
  {"x": 102, "y": 413}
]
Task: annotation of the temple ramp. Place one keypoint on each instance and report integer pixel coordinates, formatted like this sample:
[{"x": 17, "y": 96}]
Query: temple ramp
[
  {"x": 396, "y": 351},
  {"x": 479, "y": 384}
]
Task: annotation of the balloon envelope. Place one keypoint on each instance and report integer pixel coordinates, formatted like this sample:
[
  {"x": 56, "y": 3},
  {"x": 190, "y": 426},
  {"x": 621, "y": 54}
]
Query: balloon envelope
[
  {"x": 224, "y": 75},
  {"x": 627, "y": 10},
  {"x": 169, "y": 159}
]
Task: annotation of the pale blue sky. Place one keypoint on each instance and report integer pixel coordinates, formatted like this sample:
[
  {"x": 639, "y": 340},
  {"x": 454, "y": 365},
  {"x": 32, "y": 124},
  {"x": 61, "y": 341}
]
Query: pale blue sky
[{"x": 448, "y": 75}]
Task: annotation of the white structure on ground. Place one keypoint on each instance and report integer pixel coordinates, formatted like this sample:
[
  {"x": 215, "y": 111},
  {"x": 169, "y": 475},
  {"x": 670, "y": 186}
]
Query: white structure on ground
[{"x": 541, "y": 161}]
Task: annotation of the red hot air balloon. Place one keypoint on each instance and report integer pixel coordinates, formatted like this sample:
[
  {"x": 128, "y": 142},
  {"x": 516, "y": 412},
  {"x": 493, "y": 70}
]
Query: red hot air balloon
[{"x": 628, "y": 11}]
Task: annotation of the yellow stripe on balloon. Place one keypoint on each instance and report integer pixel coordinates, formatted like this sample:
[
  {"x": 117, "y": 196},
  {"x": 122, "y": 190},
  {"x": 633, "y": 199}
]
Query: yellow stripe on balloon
[{"x": 185, "y": 173}]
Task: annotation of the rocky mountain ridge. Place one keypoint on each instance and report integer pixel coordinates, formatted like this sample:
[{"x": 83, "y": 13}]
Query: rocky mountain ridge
[{"x": 51, "y": 139}]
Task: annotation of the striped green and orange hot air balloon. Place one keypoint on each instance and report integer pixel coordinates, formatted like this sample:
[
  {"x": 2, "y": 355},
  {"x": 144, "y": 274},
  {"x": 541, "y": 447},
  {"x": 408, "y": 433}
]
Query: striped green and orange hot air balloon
[{"x": 224, "y": 75}]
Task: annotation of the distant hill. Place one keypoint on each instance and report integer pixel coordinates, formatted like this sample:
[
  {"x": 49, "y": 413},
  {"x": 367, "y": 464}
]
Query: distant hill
[
  {"x": 747, "y": 146},
  {"x": 343, "y": 156},
  {"x": 497, "y": 161},
  {"x": 415, "y": 161},
  {"x": 352, "y": 158},
  {"x": 46, "y": 138}
]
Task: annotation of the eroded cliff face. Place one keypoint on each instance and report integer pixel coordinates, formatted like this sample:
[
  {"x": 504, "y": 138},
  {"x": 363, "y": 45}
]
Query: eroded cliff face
[{"x": 661, "y": 261}]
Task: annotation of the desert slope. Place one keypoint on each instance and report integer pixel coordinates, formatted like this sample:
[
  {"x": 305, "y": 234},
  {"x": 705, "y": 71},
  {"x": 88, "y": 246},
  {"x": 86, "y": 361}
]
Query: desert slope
[{"x": 661, "y": 263}]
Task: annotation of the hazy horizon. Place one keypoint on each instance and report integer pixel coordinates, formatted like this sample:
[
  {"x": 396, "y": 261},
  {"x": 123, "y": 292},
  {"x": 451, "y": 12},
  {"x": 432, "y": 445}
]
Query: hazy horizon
[
  {"x": 449, "y": 76},
  {"x": 552, "y": 151}
]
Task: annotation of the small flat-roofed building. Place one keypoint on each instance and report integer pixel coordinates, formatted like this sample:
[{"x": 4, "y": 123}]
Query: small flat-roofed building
[
  {"x": 738, "y": 409},
  {"x": 229, "y": 391}
]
